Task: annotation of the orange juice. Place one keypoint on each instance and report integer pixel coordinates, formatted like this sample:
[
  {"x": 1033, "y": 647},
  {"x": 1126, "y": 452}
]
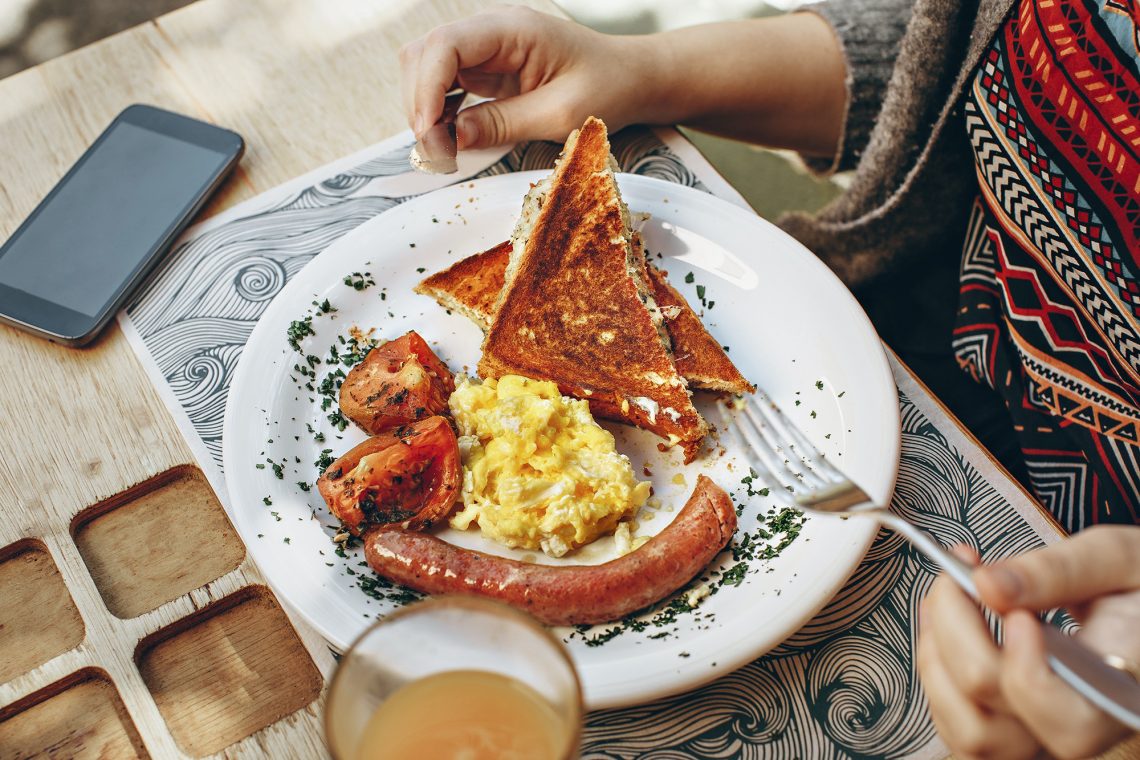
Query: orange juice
[{"x": 464, "y": 715}]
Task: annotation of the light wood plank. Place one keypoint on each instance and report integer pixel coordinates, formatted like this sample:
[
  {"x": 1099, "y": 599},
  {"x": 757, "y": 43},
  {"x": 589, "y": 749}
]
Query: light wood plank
[{"x": 339, "y": 78}]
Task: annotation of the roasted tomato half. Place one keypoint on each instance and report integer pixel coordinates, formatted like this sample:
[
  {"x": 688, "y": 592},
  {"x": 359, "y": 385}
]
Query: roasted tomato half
[
  {"x": 408, "y": 475},
  {"x": 398, "y": 382}
]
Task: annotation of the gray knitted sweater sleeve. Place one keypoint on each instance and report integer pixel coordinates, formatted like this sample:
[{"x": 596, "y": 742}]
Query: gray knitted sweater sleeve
[
  {"x": 871, "y": 32},
  {"x": 914, "y": 183}
]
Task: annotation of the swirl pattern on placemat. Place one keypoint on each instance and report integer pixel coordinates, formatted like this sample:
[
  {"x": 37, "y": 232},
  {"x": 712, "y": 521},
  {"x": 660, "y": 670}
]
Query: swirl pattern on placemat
[{"x": 843, "y": 686}]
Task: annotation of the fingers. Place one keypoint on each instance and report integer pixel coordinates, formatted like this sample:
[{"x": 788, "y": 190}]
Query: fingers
[
  {"x": 1063, "y": 721},
  {"x": 497, "y": 42},
  {"x": 969, "y": 729},
  {"x": 959, "y": 633},
  {"x": 489, "y": 85},
  {"x": 1095, "y": 562},
  {"x": 409, "y": 71},
  {"x": 539, "y": 114},
  {"x": 967, "y": 554}
]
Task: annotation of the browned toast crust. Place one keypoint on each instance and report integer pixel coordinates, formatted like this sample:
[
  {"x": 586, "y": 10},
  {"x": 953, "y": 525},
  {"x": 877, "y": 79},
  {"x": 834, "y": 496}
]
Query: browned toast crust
[
  {"x": 571, "y": 312},
  {"x": 699, "y": 358},
  {"x": 471, "y": 285},
  {"x": 466, "y": 286}
]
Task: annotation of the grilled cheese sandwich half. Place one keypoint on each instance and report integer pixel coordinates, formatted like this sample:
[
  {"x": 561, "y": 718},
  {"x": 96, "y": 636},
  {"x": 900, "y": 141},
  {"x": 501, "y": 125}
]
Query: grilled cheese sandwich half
[{"x": 576, "y": 306}]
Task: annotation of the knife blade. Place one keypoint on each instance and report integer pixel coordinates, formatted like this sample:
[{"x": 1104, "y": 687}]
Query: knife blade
[{"x": 435, "y": 151}]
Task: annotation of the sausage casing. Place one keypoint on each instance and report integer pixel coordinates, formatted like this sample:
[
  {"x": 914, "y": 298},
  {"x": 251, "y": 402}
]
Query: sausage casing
[{"x": 565, "y": 594}]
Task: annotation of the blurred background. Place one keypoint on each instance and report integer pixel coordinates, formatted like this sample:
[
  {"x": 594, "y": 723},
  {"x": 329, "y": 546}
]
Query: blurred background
[{"x": 34, "y": 31}]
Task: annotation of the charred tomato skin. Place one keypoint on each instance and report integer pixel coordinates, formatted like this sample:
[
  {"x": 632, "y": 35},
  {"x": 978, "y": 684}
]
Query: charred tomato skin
[
  {"x": 409, "y": 475},
  {"x": 398, "y": 382}
]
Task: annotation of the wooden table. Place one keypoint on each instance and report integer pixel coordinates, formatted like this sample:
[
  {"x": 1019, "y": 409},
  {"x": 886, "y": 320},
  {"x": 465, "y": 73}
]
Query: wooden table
[
  {"x": 114, "y": 667},
  {"x": 118, "y": 635}
]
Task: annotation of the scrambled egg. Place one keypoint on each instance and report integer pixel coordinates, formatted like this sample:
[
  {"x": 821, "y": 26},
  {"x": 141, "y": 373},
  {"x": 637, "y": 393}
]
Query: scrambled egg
[{"x": 538, "y": 471}]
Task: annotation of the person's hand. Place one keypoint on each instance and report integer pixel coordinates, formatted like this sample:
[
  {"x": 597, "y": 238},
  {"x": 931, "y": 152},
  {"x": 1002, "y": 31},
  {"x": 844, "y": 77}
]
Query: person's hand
[
  {"x": 1007, "y": 703},
  {"x": 777, "y": 81},
  {"x": 546, "y": 74}
]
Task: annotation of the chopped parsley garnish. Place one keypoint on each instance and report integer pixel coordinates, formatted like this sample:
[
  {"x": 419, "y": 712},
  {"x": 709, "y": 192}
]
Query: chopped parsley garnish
[
  {"x": 602, "y": 638},
  {"x": 382, "y": 590},
  {"x": 357, "y": 350},
  {"x": 267, "y": 501},
  {"x": 359, "y": 280},
  {"x": 324, "y": 460},
  {"x": 298, "y": 329},
  {"x": 689, "y": 278},
  {"x": 734, "y": 576},
  {"x": 819, "y": 385}
]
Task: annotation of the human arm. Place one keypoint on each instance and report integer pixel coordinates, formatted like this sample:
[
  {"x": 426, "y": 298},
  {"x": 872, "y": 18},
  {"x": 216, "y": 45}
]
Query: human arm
[
  {"x": 777, "y": 81},
  {"x": 1006, "y": 702}
]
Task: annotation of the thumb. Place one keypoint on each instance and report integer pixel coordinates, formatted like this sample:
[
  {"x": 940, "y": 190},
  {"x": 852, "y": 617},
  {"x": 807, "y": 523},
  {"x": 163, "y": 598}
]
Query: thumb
[
  {"x": 1093, "y": 563},
  {"x": 534, "y": 115}
]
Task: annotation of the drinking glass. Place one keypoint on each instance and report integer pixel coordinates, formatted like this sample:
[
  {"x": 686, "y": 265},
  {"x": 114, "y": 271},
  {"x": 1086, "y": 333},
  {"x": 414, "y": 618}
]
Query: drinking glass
[{"x": 457, "y": 671}]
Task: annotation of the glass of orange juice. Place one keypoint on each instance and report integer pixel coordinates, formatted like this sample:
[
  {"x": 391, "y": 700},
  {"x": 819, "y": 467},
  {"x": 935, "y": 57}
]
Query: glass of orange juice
[{"x": 455, "y": 677}]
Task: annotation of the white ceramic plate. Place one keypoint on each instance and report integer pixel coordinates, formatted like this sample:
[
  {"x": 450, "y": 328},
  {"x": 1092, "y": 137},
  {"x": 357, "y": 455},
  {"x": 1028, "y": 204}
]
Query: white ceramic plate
[{"x": 787, "y": 320}]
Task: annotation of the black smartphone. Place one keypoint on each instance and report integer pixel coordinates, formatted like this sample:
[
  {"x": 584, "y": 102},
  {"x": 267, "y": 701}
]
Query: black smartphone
[{"x": 72, "y": 263}]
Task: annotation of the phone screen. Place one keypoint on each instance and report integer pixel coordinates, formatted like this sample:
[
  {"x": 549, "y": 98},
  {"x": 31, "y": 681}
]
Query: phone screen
[{"x": 104, "y": 221}]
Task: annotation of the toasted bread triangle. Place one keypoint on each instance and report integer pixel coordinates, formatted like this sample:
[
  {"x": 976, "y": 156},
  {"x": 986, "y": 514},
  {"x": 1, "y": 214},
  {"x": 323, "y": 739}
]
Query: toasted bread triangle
[
  {"x": 575, "y": 307},
  {"x": 471, "y": 286}
]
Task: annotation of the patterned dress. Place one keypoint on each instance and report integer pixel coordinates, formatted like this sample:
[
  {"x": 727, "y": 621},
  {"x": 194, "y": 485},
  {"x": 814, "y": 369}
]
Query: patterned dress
[{"x": 1050, "y": 281}]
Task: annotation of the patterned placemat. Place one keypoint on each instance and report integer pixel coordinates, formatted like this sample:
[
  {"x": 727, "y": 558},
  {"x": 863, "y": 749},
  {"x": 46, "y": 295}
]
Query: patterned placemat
[{"x": 843, "y": 686}]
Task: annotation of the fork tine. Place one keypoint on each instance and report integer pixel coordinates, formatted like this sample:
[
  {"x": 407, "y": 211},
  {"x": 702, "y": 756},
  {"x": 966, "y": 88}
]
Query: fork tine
[
  {"x": 811, "y": 456},
  {"x": 784, "y": 447},
  {"x": 763, "y": 458}
]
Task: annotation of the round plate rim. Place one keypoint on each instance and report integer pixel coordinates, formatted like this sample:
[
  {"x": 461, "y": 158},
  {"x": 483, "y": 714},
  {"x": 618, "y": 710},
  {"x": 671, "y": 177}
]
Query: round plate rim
[{"x": 825, "y": 588}]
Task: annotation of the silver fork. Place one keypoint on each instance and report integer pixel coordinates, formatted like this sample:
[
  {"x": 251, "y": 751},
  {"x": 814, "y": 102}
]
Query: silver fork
[{"x": 785, "y": 458}]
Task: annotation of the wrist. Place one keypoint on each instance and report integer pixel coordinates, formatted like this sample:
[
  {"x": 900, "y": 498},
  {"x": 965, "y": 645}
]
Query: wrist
[{"x": 655, "y": 94}]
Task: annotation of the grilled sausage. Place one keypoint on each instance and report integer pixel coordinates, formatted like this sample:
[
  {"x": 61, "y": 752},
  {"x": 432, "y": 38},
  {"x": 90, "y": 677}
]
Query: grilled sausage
[{"x": 564, "y": 595}]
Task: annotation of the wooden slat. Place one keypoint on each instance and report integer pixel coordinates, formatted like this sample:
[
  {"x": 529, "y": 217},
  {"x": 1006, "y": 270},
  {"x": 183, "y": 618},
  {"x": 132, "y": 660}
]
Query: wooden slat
[{"x": 329, "y": 66}]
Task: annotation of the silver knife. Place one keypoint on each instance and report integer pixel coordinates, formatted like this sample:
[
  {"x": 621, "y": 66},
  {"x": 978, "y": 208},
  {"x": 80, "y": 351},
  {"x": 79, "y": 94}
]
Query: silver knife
[{"x": 434, "y": 152}]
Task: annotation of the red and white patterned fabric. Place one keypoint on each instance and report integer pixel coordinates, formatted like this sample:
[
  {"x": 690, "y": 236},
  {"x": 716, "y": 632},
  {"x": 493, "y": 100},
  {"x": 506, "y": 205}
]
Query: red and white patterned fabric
[{"x": 1050, "y": 289}]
